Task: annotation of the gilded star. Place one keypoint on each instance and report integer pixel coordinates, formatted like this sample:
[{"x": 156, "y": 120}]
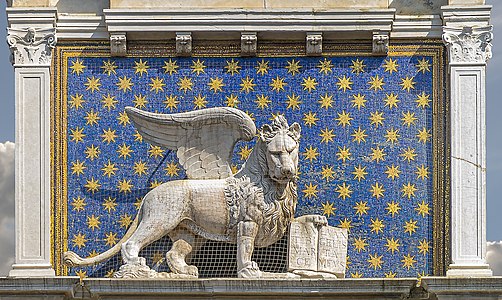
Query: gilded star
[
  {"x": 408, "y": 154},
  {"x": 344, "y": 118},
  {"x": 358, "y": 101},
  {"x": 92, "y": 185},
  {"x": 423, "y": 100},
  {"x": 109, "y": 169},
  {"x": 124, "y": 84},
  {"x": 141, "y": 67},
  {"x": 293, "y": 101},
  {"x": 110, "y": 204},
  {"x": 410, "y": 226},
  {"x": 110, "y": 273},
  {"x": 407, "y": 83},
  {"x": 171, "y": 169},
  {"x": 262, "y": 67},
  {"x": 408, "y": 261},
  {"x": 109, "y": 135},
  {"x": 77, "y": 134},
  {"x": 140, "y": 168},
  {"x": 216, "y": 84},
  {"x": 376, "y": 83},
  {"x": 375, "y": 261},
  {"x": 310, "y": 153},
  {"x": 310, "y": 119},
  {"x": 81, "y": 273},
  {"x": 78, "y": 204},
  {"x": 125, "y": 186},
  {"x": 344, "y": 83},
  {"x": 377, "y": 154},
  {"x": 124, "y": 151},
  {"x": 345, "y": 223},
  {"x": 377, "y": 190},
  {"x": 360, "y": 244},
  {"x": 232, "y": 67},
  {"x": 199, "y": 101},
  {"x": 79, "y": 240},
  {"x": 423, "y": 247},
  {"x": 293, "y": 67},
  {"x": 359, "y": 135},
  {"x": 356, "y": 275},
  {"x": 376, "y": 118},
  {"x": 310, "y": 190},
  {"x": 123, "y": 119},
  {"x": 424, "y": 135},
  {"x": 390, "y": 65},
  {"x": 278, "y": 84},
  {"x": 392, "y": 172},
  {"x": 343, "y": 191},
  {"x": 357, "y": 66},
  {"x": 423, "y": 65},
  {"x": 391, "y": 100},
  {"x": 244, "y": 152},
  {"x": 328, "y": 209},
  {"x": 359, "y": 173},
  {"x": 262, "y": 101},
  {"x": 157, "y": 257},
  {"x": 309, "y": 84},
  {"x": 170, "y": 67},
  {"x": 155, "y": 151},
  {"x": 155, "y": 184},
  {"x": 408, "y": 118},
  {"x": 392, "y": 245},
  {"x": 77, "y": 66},
  {"x": 326, "y": 135},
  {"x": 109, "y": 67},
  {"x": 138, "y": 137},
  {"x": 247, "y": 84},
  {"x": 361, "y": 208},
  {"x": 326, "y": 101},
  {"x": 185, "y": 84},
  {"x": 422, "y": 172},
  {"x": 343, "y": 153},
  {"x": 171, "y": 102},
  {"x": 157, "y": 84},
  {"x": 109, "y": 102},
  {"x": 325, "y": 66},
  {"x": 393, "y": 208},
  {"x": 76, "y": 101},
  {"x": 138, "y": 202},
  {"x": 377, "y": 225},
  {"x": 422, "y": 208},
  {"x": 91, "y": 118},
  {"x": 111, "y": 238},
  {"x": 327, "y": 173},
  {"x": 140, "y": 101},
  {"x": 125, "y": 220},
  {"x": 390, "y": 274},
  {"x": 392, "y": 135},
  {"x": 93, "y": 222},
  {"x": 92, "y": 84},
  {"x": 92, "y": 152},
  {"x": 232, "y": 101},
  {"x": 198, "y": 66}
]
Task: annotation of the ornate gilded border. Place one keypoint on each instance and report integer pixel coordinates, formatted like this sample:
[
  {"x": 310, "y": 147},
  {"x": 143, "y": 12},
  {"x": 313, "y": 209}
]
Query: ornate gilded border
[{"x": 441, "y": 139}]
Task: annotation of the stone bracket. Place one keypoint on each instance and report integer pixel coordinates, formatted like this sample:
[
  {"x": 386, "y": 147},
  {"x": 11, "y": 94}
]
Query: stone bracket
[
  {"x": 184, "y": 43},
  {"x": 314, "y": 44},
  {"x": 249, "y": 43},
  {"x": 469, "y": 44},
  {"x": 118, "y": 44},
  {"x": 380, "y": 43},
  {"x": 31, "y": 46}
]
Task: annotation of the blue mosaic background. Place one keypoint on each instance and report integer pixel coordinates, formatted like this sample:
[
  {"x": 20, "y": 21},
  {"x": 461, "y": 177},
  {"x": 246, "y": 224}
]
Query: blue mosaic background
[{"x": 366, "y": 150}]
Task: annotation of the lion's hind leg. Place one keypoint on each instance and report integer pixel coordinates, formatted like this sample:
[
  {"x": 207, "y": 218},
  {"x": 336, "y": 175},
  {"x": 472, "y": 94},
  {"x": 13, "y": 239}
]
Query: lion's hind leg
[{"x": 184, "y": 242}]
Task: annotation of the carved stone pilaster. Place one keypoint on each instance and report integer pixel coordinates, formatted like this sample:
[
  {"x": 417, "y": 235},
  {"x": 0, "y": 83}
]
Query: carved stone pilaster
[
  {"x": 31, "y": 46},
  {"x": 468, "y": 44},
  {"x": 183, "y": 43},
  {"x": 249, "y": 43},
  {"x": 380, "y": 43},
  {"x": 118, "y": 44},
  {"x": 314, "y": 43}
]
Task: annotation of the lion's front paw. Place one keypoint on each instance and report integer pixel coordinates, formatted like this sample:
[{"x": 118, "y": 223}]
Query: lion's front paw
[{"x": 251, "y": 270}]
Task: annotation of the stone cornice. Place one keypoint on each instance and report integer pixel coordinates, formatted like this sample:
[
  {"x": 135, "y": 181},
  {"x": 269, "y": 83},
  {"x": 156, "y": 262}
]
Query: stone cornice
[
  {"x": 31, "y": 46},
  {"x": 467, "y": 45}
]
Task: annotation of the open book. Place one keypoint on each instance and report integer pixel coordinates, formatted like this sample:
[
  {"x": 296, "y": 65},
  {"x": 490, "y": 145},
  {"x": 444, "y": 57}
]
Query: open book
[{"x": 317, "y": 248}]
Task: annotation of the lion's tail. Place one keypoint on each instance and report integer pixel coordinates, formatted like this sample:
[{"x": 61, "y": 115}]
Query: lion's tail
[{"x": 72, "y": 259}]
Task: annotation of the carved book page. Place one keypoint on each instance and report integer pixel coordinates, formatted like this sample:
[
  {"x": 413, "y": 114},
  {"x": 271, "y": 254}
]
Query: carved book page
[
  {"x": 302, "y": 250},
  {"x": 332, "y": 250}
]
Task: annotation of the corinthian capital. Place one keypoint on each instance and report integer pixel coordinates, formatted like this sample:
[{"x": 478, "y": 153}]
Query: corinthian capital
[
  {"x": 468, "y": 44},
  {"x": 31, "y": 46}
]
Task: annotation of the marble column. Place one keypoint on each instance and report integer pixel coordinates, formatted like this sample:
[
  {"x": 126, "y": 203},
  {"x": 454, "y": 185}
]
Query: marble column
[
  {"x": 31, "y": 53},
  {"x": 469, "y": 48}
]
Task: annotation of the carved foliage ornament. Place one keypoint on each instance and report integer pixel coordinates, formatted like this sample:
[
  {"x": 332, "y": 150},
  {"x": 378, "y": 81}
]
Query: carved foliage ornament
[
  {"x": 468, "y": 44},
  {"x": 31, "y": 45}
]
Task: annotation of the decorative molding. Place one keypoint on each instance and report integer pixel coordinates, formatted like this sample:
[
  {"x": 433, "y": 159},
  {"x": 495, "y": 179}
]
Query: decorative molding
[
  {"x": 314, "y": 43},
  {"x": 468, "y": 44},
  {"x": 183, "y": 43},
  {"x": 460, "y": 16},
  {"x": 249, "y": 43},
  {"x": 81, "y": 27},
  {"x": 118, "y": 44},
  {"x": 31, "y": 46},
  {"x": 380, "y": 43},
  {"x": 413, "y": 26}
]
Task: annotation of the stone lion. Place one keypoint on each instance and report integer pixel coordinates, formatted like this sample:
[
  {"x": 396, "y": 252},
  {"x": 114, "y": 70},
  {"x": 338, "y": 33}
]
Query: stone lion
[{"x": 251, "y": 208}]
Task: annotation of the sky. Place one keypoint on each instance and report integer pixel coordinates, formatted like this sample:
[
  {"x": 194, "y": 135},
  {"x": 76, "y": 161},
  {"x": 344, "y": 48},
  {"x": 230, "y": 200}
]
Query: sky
[{"x": 494, "y": 147}]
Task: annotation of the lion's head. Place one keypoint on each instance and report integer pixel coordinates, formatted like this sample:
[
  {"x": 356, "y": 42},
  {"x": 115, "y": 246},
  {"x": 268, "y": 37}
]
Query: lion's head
[{"x": 281, "y": 143}]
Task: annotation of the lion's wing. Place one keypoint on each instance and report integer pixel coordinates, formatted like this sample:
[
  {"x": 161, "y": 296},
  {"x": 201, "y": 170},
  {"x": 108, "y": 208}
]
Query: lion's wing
[{"x": 203, "y": 139}]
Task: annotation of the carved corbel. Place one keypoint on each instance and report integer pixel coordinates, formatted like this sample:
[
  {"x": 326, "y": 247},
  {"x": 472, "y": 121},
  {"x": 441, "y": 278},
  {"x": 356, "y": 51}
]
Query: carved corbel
[
  {"x": 31, "y": 46},
  {"x": 380, "y": 43},
  {"x": 118, "y": 44},
  {"x": 314, "y": 43},
  {"x": 468, "y": 44},
  {"x": 249, "y": 42},
  {"x": 184, "y": 43}
]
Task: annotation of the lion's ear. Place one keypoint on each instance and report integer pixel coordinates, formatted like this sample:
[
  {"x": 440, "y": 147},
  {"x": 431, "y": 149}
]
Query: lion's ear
[
  {"x": 295, "y": 129},
  {"x": 265, "y": 131}
]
